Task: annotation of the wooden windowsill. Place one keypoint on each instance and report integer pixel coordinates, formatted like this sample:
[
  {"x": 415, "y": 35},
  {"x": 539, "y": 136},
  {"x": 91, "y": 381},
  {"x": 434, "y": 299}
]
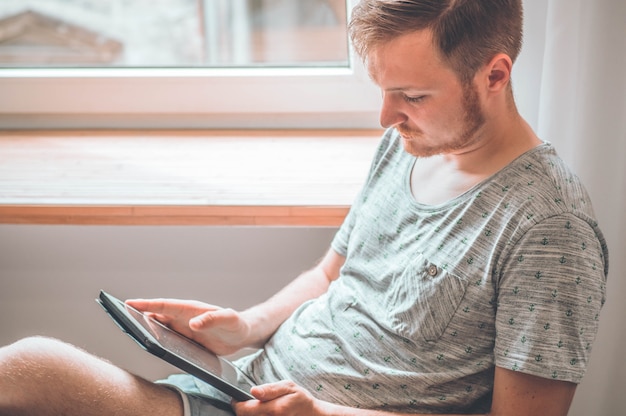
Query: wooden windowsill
[{"x": 182, "y": 177}]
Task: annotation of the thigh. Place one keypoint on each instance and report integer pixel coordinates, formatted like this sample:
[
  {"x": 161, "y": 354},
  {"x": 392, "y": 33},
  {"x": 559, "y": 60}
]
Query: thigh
[{"x": 48, "y": 377}]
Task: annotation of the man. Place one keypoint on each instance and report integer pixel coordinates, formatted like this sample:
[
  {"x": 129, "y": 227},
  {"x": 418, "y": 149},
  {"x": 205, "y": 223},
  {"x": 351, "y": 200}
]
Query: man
[{"x": 467, "y": 278}]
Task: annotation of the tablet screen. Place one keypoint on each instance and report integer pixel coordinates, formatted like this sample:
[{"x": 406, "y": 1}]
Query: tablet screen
[
  {"x": 183, "y": 347},
  {"x": 174, "y": 344}
]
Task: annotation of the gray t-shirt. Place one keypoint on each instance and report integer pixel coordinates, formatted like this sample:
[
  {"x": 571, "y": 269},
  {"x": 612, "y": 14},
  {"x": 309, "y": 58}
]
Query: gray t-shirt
[{"x": 511, "y": 273}]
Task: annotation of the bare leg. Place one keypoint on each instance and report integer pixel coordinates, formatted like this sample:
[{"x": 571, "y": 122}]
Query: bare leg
[{"x": 41, "y": 376}]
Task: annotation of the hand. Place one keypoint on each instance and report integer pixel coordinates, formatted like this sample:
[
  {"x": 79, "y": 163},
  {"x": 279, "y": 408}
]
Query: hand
[
  {"x": 278, "y": 399},
  {"x": 223, "y": 331}
]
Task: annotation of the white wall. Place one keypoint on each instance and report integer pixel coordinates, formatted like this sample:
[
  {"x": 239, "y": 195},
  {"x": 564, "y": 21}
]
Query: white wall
[{"x": 50, "y": 276}]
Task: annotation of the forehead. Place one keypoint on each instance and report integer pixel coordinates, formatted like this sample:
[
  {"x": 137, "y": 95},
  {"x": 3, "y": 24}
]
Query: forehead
[{"x": 408, "y": 59}]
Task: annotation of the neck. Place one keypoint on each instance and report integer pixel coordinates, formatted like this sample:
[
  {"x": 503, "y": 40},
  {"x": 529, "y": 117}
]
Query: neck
[
  {"x": 438, "y": 179},
  {"x": 500, "y": 141}
]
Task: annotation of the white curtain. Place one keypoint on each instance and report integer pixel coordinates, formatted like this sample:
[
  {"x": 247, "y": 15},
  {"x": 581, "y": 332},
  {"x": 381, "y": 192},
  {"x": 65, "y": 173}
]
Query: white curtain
[{"x": 571, "y": 86}]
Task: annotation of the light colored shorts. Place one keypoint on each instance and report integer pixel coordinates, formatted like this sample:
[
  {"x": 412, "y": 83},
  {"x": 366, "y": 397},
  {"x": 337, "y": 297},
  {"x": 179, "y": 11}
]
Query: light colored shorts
[{"x": 199, "y": 398}]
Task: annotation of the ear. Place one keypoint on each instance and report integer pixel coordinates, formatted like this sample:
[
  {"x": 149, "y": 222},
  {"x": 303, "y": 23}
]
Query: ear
[{"x": 498, "y": 72}]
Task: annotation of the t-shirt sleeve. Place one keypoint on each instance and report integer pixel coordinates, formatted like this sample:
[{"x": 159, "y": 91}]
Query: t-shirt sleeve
[{"x": 550, "y": 293}]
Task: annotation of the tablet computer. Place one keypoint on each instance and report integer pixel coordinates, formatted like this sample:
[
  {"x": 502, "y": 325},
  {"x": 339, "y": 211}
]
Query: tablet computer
[{"x": 177, "y": 349}]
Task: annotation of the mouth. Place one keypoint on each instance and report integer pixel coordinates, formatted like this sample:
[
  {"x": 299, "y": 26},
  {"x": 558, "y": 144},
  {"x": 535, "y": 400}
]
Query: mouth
[
  {"x": 406, "y": 138},
  {"x": 409, "y": 134}
]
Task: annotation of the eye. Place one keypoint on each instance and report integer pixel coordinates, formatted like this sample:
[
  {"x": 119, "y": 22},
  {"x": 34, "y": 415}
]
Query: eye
[{"x": 414, "y": 99}]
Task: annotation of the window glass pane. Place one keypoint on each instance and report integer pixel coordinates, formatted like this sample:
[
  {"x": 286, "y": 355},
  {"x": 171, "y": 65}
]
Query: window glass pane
[{"x": 173, "y": 33}]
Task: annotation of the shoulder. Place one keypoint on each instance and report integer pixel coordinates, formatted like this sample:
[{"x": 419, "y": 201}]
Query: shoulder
[
  {"x": 538, "y": 195},
  {"x": 388, "y": 157},
  {"x": 540, "y": 185},
  {"x": 555, "y": 178},
  {"x": 390, "y": 144},
  {"x": 566, "y": 192}
]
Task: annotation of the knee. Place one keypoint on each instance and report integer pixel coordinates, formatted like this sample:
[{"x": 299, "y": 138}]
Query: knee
[
  {"x": 30, "y": 350},
  {"x": 29, "y": 360},
  {"x": 22, "y": 368}
]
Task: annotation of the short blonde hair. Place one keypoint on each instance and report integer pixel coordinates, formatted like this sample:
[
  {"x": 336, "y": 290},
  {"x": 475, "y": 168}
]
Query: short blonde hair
[{"x": 467, "y": 33}]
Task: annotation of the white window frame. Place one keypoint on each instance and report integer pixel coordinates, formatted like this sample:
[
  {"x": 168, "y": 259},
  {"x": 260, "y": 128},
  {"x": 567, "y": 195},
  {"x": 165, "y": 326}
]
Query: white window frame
[{"x": 189, "y": 98}]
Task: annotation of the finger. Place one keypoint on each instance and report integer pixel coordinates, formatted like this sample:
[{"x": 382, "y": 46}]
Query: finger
[
  {"x": 248, "y": 407},
  {"x": 272, "y": 391},
  {"x": 157, "y": 306},
  {"x": 171, "y": 307},
  {"x": 220, "y": 317}
]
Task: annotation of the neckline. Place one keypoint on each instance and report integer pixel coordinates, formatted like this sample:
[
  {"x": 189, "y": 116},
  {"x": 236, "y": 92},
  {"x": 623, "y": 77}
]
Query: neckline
[{"x": 411, "y": 160}]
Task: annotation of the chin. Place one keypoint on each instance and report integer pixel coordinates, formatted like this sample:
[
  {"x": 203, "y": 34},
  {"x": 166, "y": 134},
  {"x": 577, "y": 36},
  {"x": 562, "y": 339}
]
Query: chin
[
  {"x": 414, "y": 143},
  {"x": 416, "y": 148}
]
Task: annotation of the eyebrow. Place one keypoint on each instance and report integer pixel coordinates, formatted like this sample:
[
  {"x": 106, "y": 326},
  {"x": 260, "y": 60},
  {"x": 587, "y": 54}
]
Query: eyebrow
[
  {"x": 407, "y": 88},
  {"x": 401, "y": 88}
]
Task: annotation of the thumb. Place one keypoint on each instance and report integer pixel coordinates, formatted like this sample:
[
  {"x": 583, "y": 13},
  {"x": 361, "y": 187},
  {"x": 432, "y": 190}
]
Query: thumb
[
  {"x": 208, "y": 319},
  {"x": 267, "y": 392},
  {"x": 199, "y": 322},
  {"x": 224, "y": 318}
]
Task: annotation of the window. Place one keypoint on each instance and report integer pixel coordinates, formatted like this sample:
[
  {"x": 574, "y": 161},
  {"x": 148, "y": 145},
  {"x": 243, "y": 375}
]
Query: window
[{"x": 180, "y": 63}]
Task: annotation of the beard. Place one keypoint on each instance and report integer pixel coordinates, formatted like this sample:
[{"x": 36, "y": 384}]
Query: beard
[{"x": 415, "y": 141}]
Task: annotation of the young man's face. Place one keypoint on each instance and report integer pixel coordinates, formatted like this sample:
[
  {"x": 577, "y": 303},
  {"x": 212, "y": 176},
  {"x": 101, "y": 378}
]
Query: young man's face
[{"x": 423, "y": 98}]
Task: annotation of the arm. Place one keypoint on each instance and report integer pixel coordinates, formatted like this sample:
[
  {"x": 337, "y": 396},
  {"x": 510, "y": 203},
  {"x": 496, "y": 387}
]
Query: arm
[
  {"x": 265, "y": 318},
  {"x": 225, "y": 331},
  {"x": 514, "y": 394}
]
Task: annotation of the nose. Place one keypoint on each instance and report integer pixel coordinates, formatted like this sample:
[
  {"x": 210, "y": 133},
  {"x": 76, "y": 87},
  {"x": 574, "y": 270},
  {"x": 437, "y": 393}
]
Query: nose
[{"x": 391, "y": 113}]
